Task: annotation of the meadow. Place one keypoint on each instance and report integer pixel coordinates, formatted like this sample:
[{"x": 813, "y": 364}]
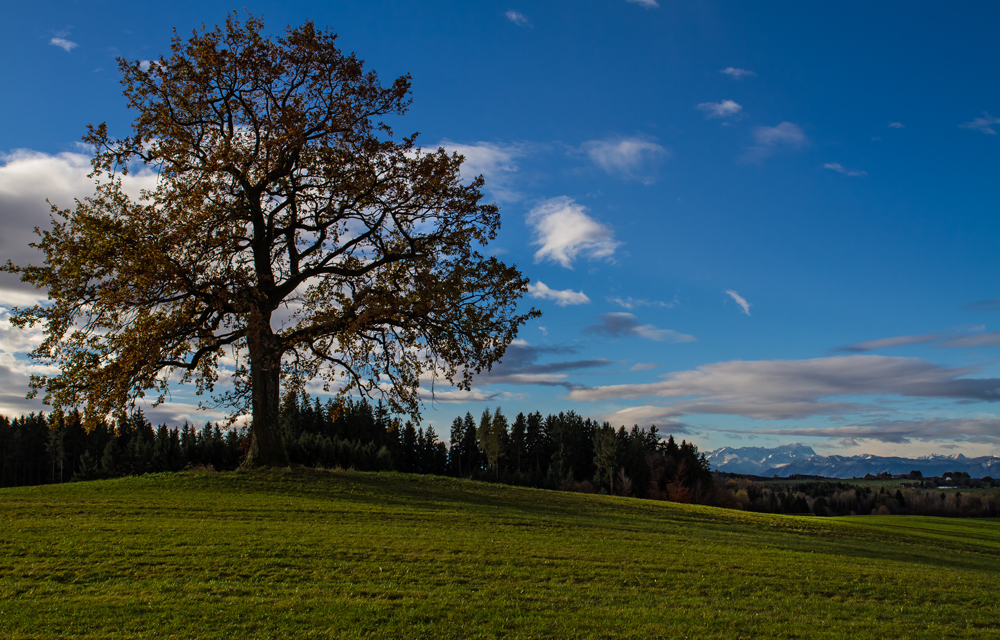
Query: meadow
[{"x": 342, "y": 554}]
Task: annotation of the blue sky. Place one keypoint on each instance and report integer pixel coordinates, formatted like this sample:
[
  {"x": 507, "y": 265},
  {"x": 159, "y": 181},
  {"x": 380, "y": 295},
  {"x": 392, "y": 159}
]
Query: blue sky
[{"x": 746, "y": 224}]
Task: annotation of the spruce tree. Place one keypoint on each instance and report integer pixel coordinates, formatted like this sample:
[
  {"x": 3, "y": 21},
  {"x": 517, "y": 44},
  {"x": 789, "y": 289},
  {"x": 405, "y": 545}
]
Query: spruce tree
[
  {"x": 455, "y": 450},
  {"x": 518, "y": 442}
]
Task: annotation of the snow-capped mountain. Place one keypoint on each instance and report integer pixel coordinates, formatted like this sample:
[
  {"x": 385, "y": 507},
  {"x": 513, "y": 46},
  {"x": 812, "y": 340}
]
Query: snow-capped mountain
[
  {"x": 858, "y": 466},
  {"x": 791, "y": 459},
  {"x": 757, "y": 460}
]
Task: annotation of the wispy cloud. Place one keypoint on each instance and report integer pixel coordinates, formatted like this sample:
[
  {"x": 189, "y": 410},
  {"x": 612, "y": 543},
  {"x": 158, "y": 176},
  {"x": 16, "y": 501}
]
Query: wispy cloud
[
  {"x": 839, "y": 168},
  {"x": 727, "y": 109},
  {"x": 456, "y": 396},
  {"x": 799, "y": 389},
  {"x": 620, "y": 324},
  {"x": 63, "y": 43},
  {"x": 737, "y": 73},
  {"x": 991, "y": 339},
  {"x": 764, "y": 382},
  {"x": 896, "y": 125},
  {"x": 785, "y": 133},
  {"x": 740, "y": 300},
  {"x": 561, "y": 298},
  {"x": 646, "y": 4},
  {"x": 632, "y": 303},
  {"x": 980, "y": 306},
  {"x": 643, "y": 366},
  {"x": 632, "y": 158},
  {"x": 518, "y": 18},
  {"x": 984, "y": 124},
  {"x": 889, "y": 343},
  {"x": 663, "y": 417},
  {"x": 495, "y": 162},
  {"x": 519, "y": 366},
  {"x": 563, "y": 231},
  {"x": 950, "y": 340},
  {"x": 980, "y": 429},
  {"x": 768, "y": 140}
]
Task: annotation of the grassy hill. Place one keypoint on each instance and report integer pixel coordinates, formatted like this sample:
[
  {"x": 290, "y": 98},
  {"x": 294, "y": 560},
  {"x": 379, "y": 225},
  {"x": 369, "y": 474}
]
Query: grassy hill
[{"x": 309, "y": 554}]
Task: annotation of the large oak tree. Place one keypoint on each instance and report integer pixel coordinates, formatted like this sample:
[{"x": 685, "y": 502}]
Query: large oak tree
[{"x": 289, "y": 238}]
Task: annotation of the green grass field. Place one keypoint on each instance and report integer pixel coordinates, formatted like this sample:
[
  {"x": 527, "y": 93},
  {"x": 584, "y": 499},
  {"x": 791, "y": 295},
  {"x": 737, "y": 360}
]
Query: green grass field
[{"x": 306, "y": 554}]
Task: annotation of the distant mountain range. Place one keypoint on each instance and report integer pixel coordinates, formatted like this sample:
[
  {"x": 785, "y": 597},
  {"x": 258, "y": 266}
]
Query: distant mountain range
[
  {"x": 791, "y": 459},
  {"x": 757, "y": 460}
]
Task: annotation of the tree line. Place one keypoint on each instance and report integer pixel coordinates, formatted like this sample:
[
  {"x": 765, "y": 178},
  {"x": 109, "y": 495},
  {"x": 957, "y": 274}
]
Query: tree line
[
  {"x": 560, "y": 451},
  {"x": 47, "y": 449},
  {"x": 836, "y": 498}
]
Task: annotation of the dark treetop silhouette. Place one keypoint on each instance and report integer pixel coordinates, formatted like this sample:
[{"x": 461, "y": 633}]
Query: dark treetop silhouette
[{"x": 287, "y": 231}]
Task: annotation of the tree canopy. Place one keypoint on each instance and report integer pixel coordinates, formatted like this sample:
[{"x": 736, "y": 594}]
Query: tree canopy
[{"x": 289, "y": 238}]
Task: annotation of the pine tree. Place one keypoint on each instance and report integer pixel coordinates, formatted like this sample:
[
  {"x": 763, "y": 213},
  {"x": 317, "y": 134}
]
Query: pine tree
[
  {"x": 518, "y": 442},
  {"x": 536, "y": 444},
  {"x": 605, "y": 456},
  {"x": 408, "y": 450},
  {"x": 455, "y": 450},
  {"x": 470, "y": 446},
  {"x": 492, "y": 438}
]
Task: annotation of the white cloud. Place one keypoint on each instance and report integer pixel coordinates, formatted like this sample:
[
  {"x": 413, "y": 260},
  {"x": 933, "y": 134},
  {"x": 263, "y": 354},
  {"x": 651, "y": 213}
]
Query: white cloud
[
  {"x": 769, "y": 139},
  {"x": 632, "y": 303},
  {"x": 176, "y": 413},
  {"x": 798, "y": 389},
  {"x": 495, "y": 162},
  {"x": 738, "y": 73},
  {"x": 619, "y": 324},
  {"x": 561, "y": 298},
  {"x": 984, "y": 429},
  {"x": 63, "y": 43},
  {"x": 27, "y": 179},
  {"x": 771, "y": 410},
  {"x": 660, "y": 413},
  {"x": 633, "y": 158},
  {"x": 725, "y": 109},
  {"x": 455, "y": 396},
  {"x": 740, "y": 300},
  {"x": 839, "y": 168},
  {"x": 765, "y": 382},
  {"x": 784, "y": 133},
  {"x": 664, "y": 417},
  {"x": 15, "y": 343},
  {"x": 896, "y": 125},
  {"x": 563, "y": 231},
  {"x": 646, "y": 4},
  {"x": 518, "y": 18},
  {"x": 984, "y": 124}
]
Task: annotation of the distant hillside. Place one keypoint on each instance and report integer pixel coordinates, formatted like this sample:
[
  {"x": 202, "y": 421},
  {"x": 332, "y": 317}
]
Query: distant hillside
[{"x": 797, "y": 458}]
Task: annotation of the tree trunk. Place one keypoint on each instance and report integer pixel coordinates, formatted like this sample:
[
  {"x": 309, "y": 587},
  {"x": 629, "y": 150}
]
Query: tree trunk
[{"x": 266, "y": 446}]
